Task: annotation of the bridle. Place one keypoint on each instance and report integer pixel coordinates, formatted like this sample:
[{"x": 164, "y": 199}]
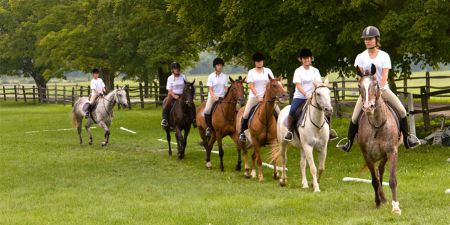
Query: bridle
[{"x": 310, "y": 102}]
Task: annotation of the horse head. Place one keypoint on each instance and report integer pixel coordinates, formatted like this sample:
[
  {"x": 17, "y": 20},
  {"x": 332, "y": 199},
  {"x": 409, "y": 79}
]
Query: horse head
[
  {"x": 237, "y": 90},
  {"x": 321, "y": 96},
  {"x": 188, "y": 92},
  {"x": 121, "y": 97},
  {"x": 275, "y": 89},
  {"x": 369, "y": 89}
]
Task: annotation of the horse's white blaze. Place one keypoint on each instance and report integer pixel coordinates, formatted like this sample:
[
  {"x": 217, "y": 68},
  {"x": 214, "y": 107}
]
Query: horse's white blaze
[{"x": 366, "y": 83}]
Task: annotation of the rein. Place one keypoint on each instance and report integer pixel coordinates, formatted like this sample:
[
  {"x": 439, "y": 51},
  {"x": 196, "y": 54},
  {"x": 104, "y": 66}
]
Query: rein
[{"x": 310, "y": 103}]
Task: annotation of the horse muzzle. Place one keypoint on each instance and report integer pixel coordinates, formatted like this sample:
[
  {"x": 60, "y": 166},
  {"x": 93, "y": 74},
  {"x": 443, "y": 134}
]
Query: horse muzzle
[
  {"x": 328, "y": 111},
  {"x": 369, "y": 107},
  {"x": 282, "y": 98}
]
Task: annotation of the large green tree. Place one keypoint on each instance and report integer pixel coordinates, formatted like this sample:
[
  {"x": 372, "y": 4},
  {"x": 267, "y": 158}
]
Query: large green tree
[{"x": 412, "y": 30}]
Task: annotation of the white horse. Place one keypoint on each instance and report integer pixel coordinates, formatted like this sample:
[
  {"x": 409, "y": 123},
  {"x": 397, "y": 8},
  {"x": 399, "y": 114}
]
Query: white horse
[
  {"x": 313, "y": 131},
  {"x": 102, "y": 114}
]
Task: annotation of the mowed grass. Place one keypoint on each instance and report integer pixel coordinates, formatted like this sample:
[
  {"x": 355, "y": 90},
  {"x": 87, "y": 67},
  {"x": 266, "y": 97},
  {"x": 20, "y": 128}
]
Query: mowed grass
[{"x": 48, "y": 178}]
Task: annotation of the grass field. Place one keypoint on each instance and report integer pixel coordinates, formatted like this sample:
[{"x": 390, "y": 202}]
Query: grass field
[{"x": 48, "y": 178}]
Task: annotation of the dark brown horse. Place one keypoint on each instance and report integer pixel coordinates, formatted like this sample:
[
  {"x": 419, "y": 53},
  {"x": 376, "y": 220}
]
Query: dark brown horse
[
  {"x": 223, "y": 122},
  {"x": 378, "y": 137},
  {"x": 263, "y": 127},
  {"x": 181, "y": 117}
]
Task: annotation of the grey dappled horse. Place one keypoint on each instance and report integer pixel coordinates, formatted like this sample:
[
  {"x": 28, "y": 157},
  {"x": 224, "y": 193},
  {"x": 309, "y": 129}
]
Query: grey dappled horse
[{"x": 102, "y": 114}]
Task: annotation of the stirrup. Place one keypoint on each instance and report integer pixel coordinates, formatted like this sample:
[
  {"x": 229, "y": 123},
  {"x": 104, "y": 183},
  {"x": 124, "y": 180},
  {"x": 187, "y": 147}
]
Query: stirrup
[
  {"x": 338, "y": 145},
  {"x": 416, "y": 139},
  {"x": 242, "y": 137},
  {"x": 333, "y": 131},
  {"x": 286, "y": 136},
  {"x": 164, "y": 123}
]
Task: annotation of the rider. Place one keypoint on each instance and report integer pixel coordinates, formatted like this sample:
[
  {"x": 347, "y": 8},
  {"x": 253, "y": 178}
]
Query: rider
[
  {"x": 257, "y": 79},
  {"x": 217, "y": 85},
  {"x": 97, "y": 89},
  {"x": 304, "y": 78},
  {"x": 175, "y": 86},
  {"x": 382, "y": 61}
]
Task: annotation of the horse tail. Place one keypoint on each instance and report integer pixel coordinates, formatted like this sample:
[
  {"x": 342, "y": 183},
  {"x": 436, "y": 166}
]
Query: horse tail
[{"x": 74, "y": 120}]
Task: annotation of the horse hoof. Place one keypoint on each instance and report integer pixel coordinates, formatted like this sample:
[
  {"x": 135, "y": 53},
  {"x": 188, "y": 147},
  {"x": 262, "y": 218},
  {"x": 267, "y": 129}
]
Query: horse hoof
[
  {"x": 90, "y": 143},
  {"x": 261, "y": 179},
  {"x": 247, "y": 175},
  {"x": 275, "y": 176},
  {"x": 222, "y": 170},
  {"x": 104, "y": 144},
  {"x": 209, "y": 165},
  {"x": 317, "y": 190},
  {"x": 253, "y": 173},
  {"x": 283, "y": 182},
  {"x": 397, "y": 211},
  {"x": 238, "y": 168}
]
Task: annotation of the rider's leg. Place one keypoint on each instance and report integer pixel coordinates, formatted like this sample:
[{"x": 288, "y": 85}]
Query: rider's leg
[
  {"x": 88, "y": 105},
  {"x": 409, "y": 140},
  {"x": 252, "y": 101},
  {"x": 333, "y": 134},
  {"x": 277, "y": 111},
  {"x": 193, "y": 112},
  {"x": 166, "y": 111},
  {"x": 296, "y": 102},
  {"x": 353, "y": 127},
  {"x": 207, "y": 113}
]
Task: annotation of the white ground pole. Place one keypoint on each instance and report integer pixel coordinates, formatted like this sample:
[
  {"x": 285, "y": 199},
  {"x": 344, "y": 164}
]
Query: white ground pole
[
  {"x": 62, "y": 129},
  {"x": 361, "y": 180},
  {"x": 125, "y": 129},
  {"x": 216, "y": 152},
  {"x": 447, "y": 191}
]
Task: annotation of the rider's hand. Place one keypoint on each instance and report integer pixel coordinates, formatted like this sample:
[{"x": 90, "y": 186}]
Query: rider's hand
[
  {"x": 308, "y": 96},
  {"x": 215, "y": 98},
  {"x": 260, "y": 99},
  {"x": 175, "y": 97}
]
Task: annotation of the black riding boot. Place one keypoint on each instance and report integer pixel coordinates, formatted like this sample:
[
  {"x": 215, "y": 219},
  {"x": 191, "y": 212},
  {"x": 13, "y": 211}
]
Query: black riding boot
[
  {"x": 291, "y": 127},
  {"x": 244, "y": 126},
  {"x": 208, "y": 124},
  {"x": 333, "y": 134},
  {"x": 86, "y": 109},
  {"x": 410, "y": 141},
  {"x": 193, "y": 111},
  {"x": 165, "y": 115},
  {"x": 352, "y": 130}
]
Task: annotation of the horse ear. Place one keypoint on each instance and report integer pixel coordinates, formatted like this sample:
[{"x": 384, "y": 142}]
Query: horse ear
[
  {"x": 243, "y": 79},
  {"x": 280, "y": 78},
  {"x": 317, "y": 84},
  {"x": 358, "y": 71},
  {"x": 270, "y": 78},
  {"x": 193, "y": 82},
  {"x": 373, "y": 69},
  {"x": 231, "y": 80}
]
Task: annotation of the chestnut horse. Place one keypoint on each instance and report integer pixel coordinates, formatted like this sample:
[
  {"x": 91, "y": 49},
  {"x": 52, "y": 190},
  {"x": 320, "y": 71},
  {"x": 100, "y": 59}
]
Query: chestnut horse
[
  {"x": 262, "y": 128},
  {"x": 222, "y": 119},
  {"x": 378, "y": 137}
]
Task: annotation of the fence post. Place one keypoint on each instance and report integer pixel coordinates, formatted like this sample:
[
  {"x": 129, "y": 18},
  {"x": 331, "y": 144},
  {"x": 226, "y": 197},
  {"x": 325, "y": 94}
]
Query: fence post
[
  {"x": 343, "y": 88},
  {"x": 405, "y": 85},
  {"x": 201, "y": 91},
  {"x": 427, "y": 83},
  {"x": 127, "y": 90},
  {"x": 73, "y": 95},
  {"x": 47, "y": 90},
  {"x": 412, "y": 121},
  {"x": 64, "y": 95},
  {"x": 425, "y": 112},
  {"x": 4, "y": 93},
  {"x": 24, "y": 93},
  {"x": 89, "y": 91},
  {"x": 34, "y": 94},
  {"x": 156, "y": 93},
  {"x": 56, "y": 94},
  {"x": 141, "y": 95},
  {"x": 15, "y": 93},
  {"x": 81, "y": 91},
  {"x": 336, "y": 99}
]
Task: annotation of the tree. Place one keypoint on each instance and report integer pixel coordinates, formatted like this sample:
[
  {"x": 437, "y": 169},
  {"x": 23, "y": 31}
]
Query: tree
[{"x": 412, "y": 30}]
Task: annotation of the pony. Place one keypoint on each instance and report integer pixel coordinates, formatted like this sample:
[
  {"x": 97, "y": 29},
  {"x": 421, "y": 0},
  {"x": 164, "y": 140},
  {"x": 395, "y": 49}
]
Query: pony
[
  {"x": 312, "y": 132},
  {"x": 262, "y": 127},
  {"x": 180, "y": 118},
  {"x": 223, "y": 119},
  {"x": 102, "y": 114}
]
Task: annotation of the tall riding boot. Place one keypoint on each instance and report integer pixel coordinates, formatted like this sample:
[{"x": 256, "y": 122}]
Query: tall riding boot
[
  {"x": 193, "y": 111},
  {"x": 86, "y": 109},
  {"x": 352, "y": 130},
  {"x": 244, "y": 126},
  {"x": 208, "y": 124},
  {"x": 275, "y": 114},
  {"x": 333, "y": 134},
  {"x": 409, "y": 140},
  {"x": 291, "y": 126},
  {"x": 165, "y": 116}
]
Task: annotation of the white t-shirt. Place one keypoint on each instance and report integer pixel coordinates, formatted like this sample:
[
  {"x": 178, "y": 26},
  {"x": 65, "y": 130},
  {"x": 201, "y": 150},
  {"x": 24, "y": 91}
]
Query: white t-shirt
[
  {"x": 381, "y": 61},
  {"x": 306, "y": 78},
  {"x": 218, "y": 82},
  {"x": 97, "y": 86},
  {"x": 176, "y": 84},
  {"x": 259, "y": 80}
]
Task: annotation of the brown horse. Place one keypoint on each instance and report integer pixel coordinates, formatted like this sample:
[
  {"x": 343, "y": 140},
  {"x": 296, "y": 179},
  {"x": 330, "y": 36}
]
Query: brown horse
[
  {"x": 223, "y": 120},
  {"x": 378, "y": 137},
  {"x": 180, "y": 118},
  {"x": 263, "y": 127}
]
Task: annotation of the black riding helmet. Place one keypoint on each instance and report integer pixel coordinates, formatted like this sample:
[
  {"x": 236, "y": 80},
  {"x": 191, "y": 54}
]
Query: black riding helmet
[
  {"x": 175, "y": 65},
  {"x": 218, "y": 61},
  {"x": 258, "y": 57},
  {"x": 305, "y": 53},
  {"x": 370, "y": 31},
  {"x": 95, "y": 70}
]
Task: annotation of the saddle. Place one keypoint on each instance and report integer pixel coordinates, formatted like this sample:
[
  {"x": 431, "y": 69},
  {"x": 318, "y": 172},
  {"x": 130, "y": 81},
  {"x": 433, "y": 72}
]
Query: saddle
[
  {"x": 299, "y": 117},
  {"x": 214, "y": 106},
  {"x": 252, "y": 113}
]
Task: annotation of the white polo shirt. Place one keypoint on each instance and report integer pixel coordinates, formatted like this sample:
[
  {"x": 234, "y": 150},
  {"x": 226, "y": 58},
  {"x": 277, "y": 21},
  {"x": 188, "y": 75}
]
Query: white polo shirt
[
  {"x": 97, "y": 86},
  {"x": 259, "y": 81},
  {"x": 176, "y": 84},
  {"x": 218, "y": 82},
  {"x": 381, "y": 61},
  {"x": 306, "y": 78}
]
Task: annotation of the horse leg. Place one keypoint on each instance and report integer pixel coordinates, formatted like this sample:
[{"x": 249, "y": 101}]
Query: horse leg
[
  {"x": 239, "y": 160},
  {"x": 79, "y": 123},
  {"x": 221, "y": 153},
  {"x": 322, "y": 158},
  {"x": 208, "y": 147},
  {"x": 168, "y": 141},
  {"x": 312, "y": 166},
  {"x": 246, "y": 166},
  {"x": 393, "y": 182},
  {"x": 381, "y": 172},
  {"x": 283, "y": 179},
  {"x": 180, "y": 142},
  {"x": 275, "y": 148},
  {"x": 375, "y": 182},
  {"x": 186, "y": 133},
  {"x": 253, "y": 163},
  {"x": 88, "y": 129},
  {"x": 105, "y": 127},
  {"x": 256, "y": 152},
  {"x": 303, "y": 168}
]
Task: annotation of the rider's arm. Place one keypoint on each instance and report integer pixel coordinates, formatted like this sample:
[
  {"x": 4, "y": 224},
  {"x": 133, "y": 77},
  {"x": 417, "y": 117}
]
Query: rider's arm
[
  {"x": 211, "y": 92},
  {"x": 384, "y": 77},
  {"x": 251, "y": 85},
  {"x": 300, "y": 88}
]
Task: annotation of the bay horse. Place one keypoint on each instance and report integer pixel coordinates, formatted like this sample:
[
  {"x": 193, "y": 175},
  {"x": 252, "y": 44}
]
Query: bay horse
[
  {"x": 222, "y": 120},
  {"x": 180, "y": 118},
  {"x": 378, "y": 137},
  {"x": 102, "y": 114},
  {"x": 312, "y": 132},
  {"x": 262, "y": 128}
]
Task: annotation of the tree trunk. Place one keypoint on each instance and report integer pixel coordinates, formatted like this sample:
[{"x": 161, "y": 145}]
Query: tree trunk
[
  {"x": 41, "y": 84},
  {"x": 162, "y": 77},
  {"x": 108, "y": 79},
  {"x": 146, "y": 85}
]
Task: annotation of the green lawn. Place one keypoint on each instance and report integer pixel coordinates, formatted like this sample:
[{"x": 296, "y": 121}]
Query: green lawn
[{"x": 48, "y": 178}]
